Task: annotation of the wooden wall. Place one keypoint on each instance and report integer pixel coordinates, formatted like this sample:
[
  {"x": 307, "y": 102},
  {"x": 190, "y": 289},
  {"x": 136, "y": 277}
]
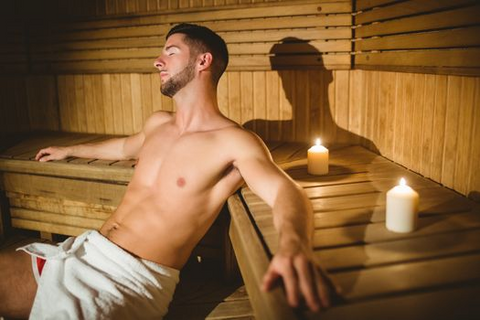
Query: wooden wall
[
  {"x": 427, "y": 123},
  {"x": 439, "y": 36}
]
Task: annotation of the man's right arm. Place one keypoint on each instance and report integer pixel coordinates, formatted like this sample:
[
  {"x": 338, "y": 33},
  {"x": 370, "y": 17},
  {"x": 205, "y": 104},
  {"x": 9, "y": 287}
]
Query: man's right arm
[{"x": 124, "y": 148}]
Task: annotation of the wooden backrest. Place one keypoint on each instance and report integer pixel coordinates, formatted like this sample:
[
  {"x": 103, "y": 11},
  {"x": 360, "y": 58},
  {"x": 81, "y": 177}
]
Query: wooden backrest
[
  {"x": 418, "y": 35},
  {"x": 130, "y": 43}
]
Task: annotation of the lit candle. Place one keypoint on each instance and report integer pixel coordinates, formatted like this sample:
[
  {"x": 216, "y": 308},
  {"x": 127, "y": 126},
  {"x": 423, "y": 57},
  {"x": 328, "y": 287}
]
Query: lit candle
[
  {"x": 317, "y": 159},
  {"x": 402, "y": 208}
]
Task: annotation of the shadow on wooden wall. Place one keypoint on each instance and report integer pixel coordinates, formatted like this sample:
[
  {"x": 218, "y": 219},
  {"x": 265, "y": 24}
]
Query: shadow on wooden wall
[{"x": 318, "y": 120}]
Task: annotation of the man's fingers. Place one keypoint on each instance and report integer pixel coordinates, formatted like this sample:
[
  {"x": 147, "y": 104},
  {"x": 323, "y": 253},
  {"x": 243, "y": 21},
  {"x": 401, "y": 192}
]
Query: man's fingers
[
  {"x": 323, "y": 287},
  {"x": 307, "y": 283},
  {"x": 45, "y": 158},
  {"x": 291, "y": 285},
  {"x": 40, "y": 154},
  {"x": 269, "y": 279}
]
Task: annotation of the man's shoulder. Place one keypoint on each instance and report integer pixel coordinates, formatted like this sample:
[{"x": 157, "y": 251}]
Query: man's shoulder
[
  {"x": 242, "y": 140},
  {"x": 156, "y": 119},
  {"x": 159, "y": 117}
]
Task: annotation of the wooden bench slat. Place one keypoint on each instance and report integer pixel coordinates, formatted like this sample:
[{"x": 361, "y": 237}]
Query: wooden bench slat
[
  {"x": 407, "y": 8},
  {"x": 68, "y": 189},
  {"x": 399, "y": 251},
  {"x": 408, "y": 277},
  {"x": 420, "y": 305},
  {"x": 72, "y": 170},
  {"x": 430, "y": 198},
  {"x": 461, "y": 37},
  {"x": 72, "y": 139},
  {"x": 376, "y": 232},
  {"x": 56, "y": 219},
  {"x": 60, "y": 206},
  {"x": 34, "y": 142},
  {"x": 47, "y": 227},
  {"x": 351, "y": 189},
  {"x": 425, "y": 22}
]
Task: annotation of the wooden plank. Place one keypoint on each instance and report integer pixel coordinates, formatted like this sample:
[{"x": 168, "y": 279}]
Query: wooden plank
[
  {"x": 409, "y": 277},
  {"x": 254, "y": 62},
  {"x": 399, "y": 251},
  {"x": 468, "y": 58},
  {"x": 55, "y": 219},
  {"x": 461, "y": 37},
  {"x": 60, "y": 206},
  {"x": 434, "y": 304},
  {"x": 253, "y": 262},
  {"x": 48, "y": 227},
  {"x": 68, "y": 189},
  {"x": 115, "y": 173},
  {"x": 33, "y": 142},
  {"x": 230, "y": 38},
  {"x": 465, "y": 139},
  {"x": 42, "y": 102},
  {"x": 160, "y": 30},
  {"x": 454, "y": 87},
  {"x": 67, "y": 140},
  {"x": 407, "y": 8},
  {"x": 205, "y": 14},
  {"x": 427, "y": 125},
  {"x": 474, "y": 176},
  {"x": 376, "y": 232},
  {"x": 361, "y": 5},
  {"x": 432, "y": 200},
  {"x": 313, "y": 46},
  {"x": 425, "y": 22},
  {"x": 353, "y": 188}
]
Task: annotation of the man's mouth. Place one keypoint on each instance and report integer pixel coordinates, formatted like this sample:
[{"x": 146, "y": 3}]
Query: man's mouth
[{"x": 163, "y": 74}]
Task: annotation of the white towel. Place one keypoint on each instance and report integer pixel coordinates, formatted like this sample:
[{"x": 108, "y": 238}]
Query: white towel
[{"x": 89, "y": 277}]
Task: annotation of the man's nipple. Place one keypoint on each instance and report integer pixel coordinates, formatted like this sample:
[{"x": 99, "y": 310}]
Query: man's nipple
[{"x": 181, "y": 182}]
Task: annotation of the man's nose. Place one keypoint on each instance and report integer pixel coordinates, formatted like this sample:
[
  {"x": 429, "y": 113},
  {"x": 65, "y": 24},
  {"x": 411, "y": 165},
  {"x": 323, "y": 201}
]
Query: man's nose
[{"x": 158, "y": 63}]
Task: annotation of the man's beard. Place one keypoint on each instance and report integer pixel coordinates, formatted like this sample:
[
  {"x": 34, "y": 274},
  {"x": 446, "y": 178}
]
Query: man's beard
[{"x": 178, "y": 81}]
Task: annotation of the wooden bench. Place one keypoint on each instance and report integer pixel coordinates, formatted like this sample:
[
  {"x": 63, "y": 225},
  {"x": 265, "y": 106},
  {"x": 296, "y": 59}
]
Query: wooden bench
[
  {"x": 70, "y": 196},
  {"x": 130, "y": 43},
  {"x": 432, "y": 273}
]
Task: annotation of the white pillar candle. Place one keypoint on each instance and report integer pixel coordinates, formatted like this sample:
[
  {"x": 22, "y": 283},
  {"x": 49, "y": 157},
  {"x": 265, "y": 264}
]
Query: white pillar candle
[
  {"x": 402, "y": 208},
  {"x": 317, "y": 159}
]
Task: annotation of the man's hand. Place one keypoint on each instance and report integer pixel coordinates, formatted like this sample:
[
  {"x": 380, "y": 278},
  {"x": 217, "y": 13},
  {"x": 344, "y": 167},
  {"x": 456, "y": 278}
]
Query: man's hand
[
  {"x": 52, "y": 153},
  {"x": 302, "y": 277}
]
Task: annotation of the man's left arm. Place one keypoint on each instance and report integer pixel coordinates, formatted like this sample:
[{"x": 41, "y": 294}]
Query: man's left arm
[{"x": 294, "y": 262}]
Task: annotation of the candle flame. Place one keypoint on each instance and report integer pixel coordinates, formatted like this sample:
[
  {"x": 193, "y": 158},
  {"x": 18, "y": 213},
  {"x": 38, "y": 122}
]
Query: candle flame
[
  {"x": 318, "y": 142},
  {"x": 403, "y": 182}
]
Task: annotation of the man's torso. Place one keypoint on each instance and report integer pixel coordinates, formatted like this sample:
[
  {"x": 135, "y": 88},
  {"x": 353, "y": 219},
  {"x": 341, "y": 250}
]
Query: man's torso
[{"x": 179, "y": 186}]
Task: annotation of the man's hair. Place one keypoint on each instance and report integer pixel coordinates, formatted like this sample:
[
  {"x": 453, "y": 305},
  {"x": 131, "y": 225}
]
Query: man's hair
[{"x": 200, "y": 40}]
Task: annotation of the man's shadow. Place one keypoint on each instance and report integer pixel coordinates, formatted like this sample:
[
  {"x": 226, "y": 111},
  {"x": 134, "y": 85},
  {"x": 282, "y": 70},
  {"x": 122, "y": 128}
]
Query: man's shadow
[{"x": 319, "y": 116}]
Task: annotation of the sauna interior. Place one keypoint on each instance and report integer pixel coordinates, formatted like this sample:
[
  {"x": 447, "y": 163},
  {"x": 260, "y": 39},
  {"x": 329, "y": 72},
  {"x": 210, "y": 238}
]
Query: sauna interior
[{"x": 399, "y": 78}]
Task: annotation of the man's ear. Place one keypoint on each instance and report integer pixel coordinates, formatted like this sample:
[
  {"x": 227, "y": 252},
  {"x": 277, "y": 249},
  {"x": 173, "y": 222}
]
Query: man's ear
[{"x": 205, "y": 61}]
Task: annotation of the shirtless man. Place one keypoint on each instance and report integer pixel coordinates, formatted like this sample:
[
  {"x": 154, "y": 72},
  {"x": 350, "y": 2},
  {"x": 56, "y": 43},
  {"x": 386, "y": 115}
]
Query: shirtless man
[{"x": 189, "y": 163}]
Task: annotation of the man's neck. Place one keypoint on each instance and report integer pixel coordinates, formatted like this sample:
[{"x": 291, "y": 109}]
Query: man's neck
[{"x": 197, "y": 108}]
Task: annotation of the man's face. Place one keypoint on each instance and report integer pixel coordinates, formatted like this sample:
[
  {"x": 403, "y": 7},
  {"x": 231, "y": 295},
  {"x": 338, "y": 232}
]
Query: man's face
[
  {"x": 178, "y": 81},
  {"x": 174, "y": 74}
]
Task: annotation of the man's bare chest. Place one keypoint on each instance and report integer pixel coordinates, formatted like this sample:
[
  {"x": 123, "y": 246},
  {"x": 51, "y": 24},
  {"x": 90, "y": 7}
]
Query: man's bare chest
[{"x": 192, "y": 162}]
